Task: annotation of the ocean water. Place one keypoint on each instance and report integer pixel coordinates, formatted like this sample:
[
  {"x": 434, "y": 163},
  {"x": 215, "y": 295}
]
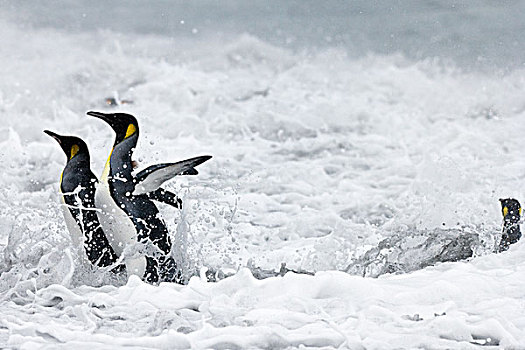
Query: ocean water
[{"x": 333, "y": 127}]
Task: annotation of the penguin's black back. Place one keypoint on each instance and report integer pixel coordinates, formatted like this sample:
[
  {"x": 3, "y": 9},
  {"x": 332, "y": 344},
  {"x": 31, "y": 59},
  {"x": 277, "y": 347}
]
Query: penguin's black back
[
  {"x": 511, "y": 209},
  {"x": 141, "y": 210},
  {"x": 78, "y": 190}
]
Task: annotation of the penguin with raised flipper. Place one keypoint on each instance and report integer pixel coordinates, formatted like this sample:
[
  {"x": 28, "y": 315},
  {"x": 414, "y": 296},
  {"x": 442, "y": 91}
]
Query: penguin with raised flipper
[
  {"x": 77, "y": 186},
  {"x": 126, "y": 201},
  {"x": 511, "y": 210}
]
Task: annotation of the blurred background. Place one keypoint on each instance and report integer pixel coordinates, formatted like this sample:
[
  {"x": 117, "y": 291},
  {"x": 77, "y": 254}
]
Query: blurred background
[{"x": 480, "y": 34}]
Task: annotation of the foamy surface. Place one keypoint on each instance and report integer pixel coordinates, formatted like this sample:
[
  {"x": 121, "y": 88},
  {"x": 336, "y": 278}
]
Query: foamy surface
[{"x": 323, "y": 146}]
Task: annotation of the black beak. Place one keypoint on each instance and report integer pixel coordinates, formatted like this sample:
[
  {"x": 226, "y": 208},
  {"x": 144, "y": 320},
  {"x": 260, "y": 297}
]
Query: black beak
[
  {"x": 57, "y": 137},
  {"x": 105, "y": 117}
]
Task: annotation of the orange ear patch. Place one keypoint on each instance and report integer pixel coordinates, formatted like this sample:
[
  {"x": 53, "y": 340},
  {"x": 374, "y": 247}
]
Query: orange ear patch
[
  {"x": 74, "y": 150},
  {"x": 131, "y": 130}
]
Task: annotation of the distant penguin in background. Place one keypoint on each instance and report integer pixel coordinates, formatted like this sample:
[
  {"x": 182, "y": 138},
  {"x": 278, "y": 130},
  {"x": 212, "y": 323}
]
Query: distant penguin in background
[
  {"x": 511, "y": 210},
  {"x": 126, "y": 200},
  {"x": 77, "y": 186}
]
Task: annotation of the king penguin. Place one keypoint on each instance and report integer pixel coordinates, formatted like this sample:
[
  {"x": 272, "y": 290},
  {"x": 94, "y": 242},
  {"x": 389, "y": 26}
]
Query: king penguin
[
  {"x": 77, "y": 186},
  {"x": 128, "y": 211},
  {"x": 511, "y": 210}
]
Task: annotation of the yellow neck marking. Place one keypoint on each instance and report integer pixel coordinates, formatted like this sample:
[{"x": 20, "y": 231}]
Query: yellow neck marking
[
  {"x": 505, "y": 211},
  {"x": 105, "y": 172},
  {"x": 131, "y": 130}
]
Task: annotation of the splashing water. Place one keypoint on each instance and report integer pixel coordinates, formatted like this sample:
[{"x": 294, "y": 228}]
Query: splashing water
[
  {"x": 368, "y": 161},
  {"x": 321, "y": 164}
]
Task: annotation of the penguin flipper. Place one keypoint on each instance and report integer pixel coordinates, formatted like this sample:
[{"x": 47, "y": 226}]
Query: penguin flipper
[
  {"x": 151, "y": 178},
  {"x": 166, "y": 197}
]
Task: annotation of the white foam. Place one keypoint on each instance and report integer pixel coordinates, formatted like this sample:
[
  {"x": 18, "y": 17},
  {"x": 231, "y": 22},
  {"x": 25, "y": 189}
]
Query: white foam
[{"x": 316, "y": 158}]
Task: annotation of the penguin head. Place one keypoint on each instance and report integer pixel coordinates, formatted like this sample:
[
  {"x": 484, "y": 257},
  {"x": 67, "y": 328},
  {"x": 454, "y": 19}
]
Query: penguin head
[
  {"x": 74, "y": 147},
  {"x": 125, "y": 125},
  {"x": 511, "y": 210}
]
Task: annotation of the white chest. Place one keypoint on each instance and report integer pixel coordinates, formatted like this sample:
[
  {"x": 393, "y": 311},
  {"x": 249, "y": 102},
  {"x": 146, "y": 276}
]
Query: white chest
[
  {"x": 118, "y": 227},
  {"x": 77, "y": 236}
]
